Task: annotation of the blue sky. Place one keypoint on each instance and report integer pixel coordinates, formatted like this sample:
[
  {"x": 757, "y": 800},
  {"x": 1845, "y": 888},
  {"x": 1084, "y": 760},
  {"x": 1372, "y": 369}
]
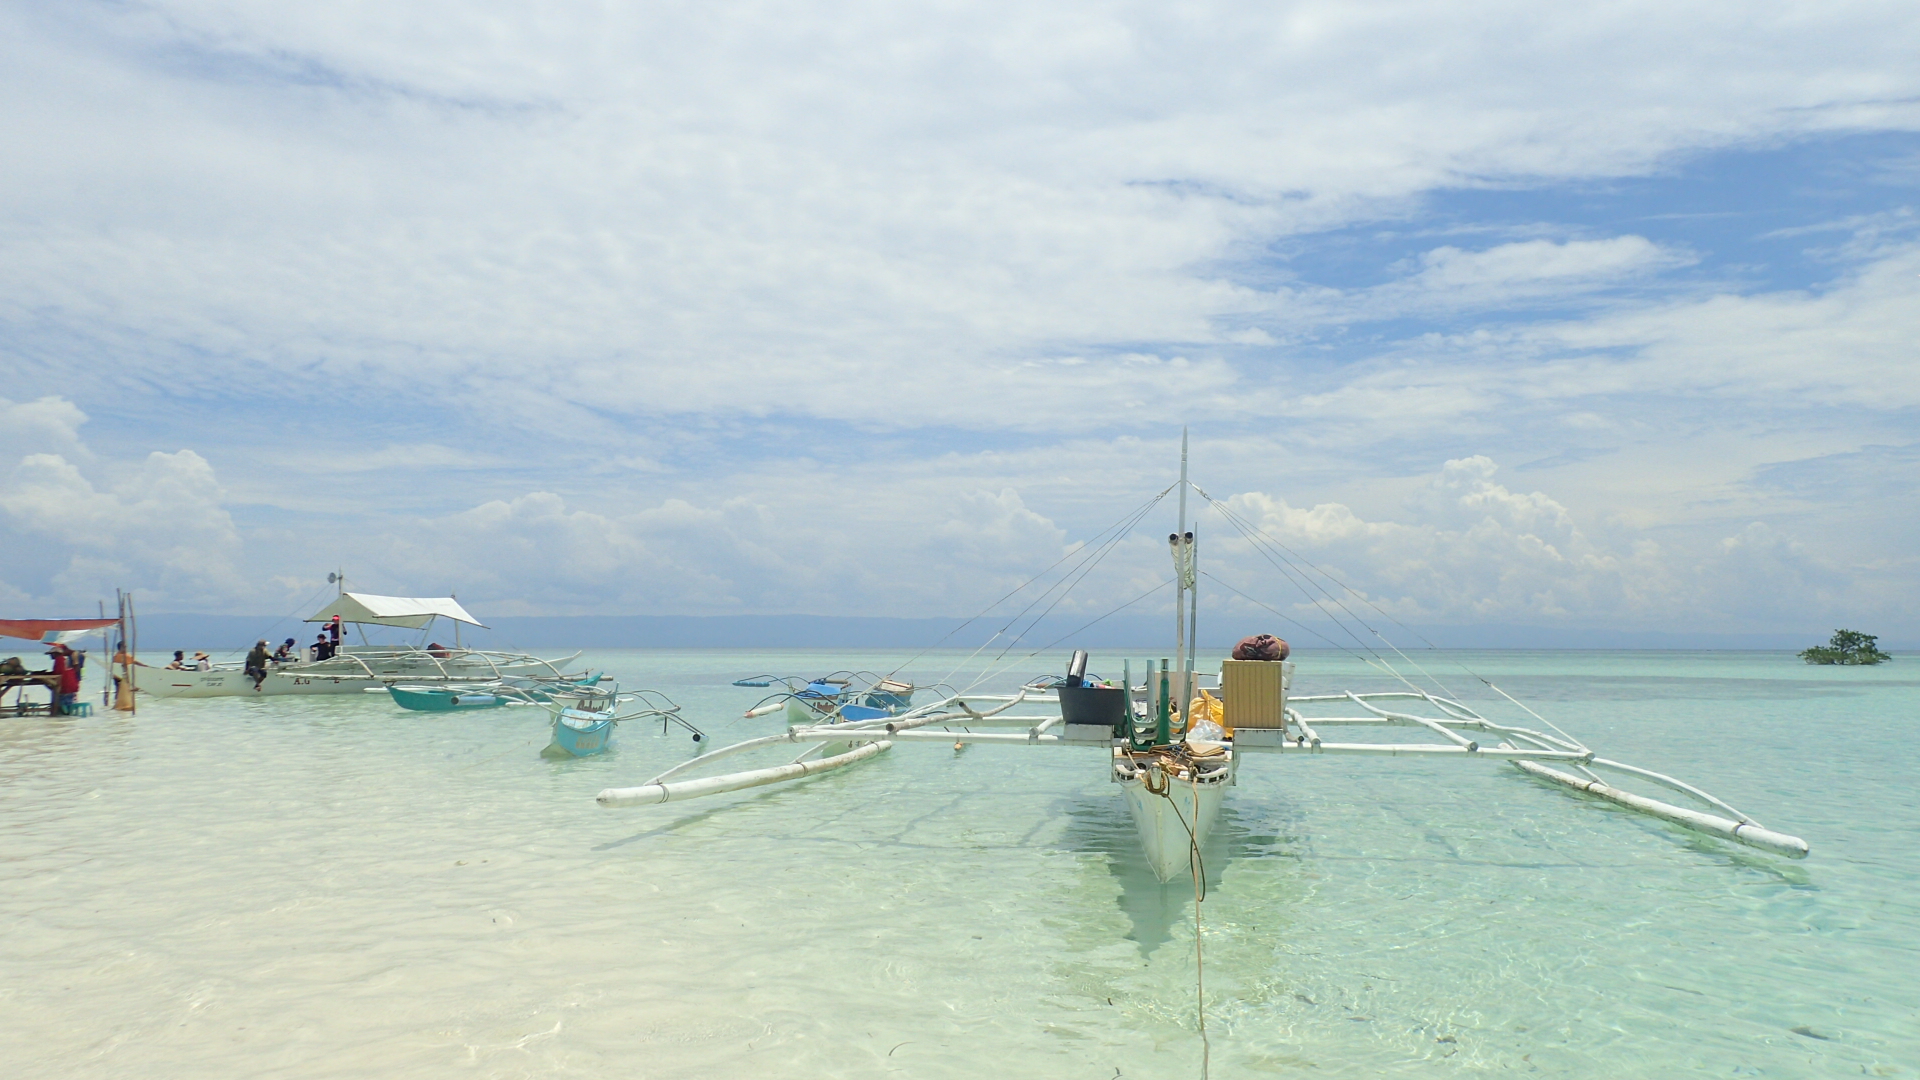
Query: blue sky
[{"x": 1507, "y": 315}]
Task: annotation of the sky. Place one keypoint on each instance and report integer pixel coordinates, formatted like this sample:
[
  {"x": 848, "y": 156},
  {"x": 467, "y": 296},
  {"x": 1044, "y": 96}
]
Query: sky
[{"x": 1500, "y": 313}]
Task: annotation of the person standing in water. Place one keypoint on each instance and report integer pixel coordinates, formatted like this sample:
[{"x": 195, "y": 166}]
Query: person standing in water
[
  {"x": 122, "y": 660},
  {"x": 69, "y": 676}
]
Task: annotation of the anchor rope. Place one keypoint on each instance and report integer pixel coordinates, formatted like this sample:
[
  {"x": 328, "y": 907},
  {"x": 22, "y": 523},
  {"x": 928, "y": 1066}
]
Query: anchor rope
[{"x": 1165, "y": 759}]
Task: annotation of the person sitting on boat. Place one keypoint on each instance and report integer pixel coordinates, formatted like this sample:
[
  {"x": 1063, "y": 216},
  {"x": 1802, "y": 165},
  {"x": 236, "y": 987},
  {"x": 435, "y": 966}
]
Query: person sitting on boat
[
  {"x": 179, "y": 661},
  {"x": 257, "y": 662},
  {"x": 320, "y": 649},
  {"x": 438, "y": 651},
  {"x": 284, "y": 654},
  {"x": 202, "y": 662}
]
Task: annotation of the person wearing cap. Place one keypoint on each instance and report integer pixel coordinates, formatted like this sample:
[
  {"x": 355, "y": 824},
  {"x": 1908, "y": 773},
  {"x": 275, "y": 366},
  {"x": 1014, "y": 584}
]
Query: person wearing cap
[
  {"x": 69, "y": 687},
  {"x": 333, "y": 637},
  {"x": 257, "y": 662}
]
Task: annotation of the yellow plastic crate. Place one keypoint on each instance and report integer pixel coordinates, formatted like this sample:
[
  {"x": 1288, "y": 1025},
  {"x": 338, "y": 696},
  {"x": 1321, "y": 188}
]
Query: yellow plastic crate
[{"x": 1255, "y": 692}]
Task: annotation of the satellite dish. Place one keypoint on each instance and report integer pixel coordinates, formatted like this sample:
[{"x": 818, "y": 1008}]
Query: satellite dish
[{"x": 331, "y": 578}]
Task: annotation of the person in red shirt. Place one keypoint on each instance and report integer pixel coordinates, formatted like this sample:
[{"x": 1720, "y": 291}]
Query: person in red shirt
[{"x": 69, "y": 679}]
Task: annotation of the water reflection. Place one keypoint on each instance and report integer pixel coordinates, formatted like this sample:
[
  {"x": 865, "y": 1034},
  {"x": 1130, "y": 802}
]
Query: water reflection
[{"x": 1241, "y": 835}]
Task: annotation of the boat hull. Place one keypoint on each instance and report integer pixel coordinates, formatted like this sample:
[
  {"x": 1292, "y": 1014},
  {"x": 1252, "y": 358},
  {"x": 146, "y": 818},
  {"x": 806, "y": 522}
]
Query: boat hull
[
  {"x": 437, "y": 699},
  {"x": 1172, "y": 824},
  {"x": 580, "y": 734},
  {"x": 348, "y": 675},
  {"x": 230, "y": 683},
  {"x": 811, "y": 710}
]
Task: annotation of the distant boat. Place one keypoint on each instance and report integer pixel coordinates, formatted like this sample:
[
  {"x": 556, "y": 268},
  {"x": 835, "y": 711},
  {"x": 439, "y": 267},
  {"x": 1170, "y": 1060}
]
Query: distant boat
[
  {"x": 367, "y": 667},
  {"x": 837, "y": 698}
]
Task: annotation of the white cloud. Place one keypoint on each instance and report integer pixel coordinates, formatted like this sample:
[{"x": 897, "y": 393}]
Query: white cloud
[
  {"x": 599, "y": 235},
  {"x": 161, "y": 527},
  {"x": 1453, "y": 279},
  {"x": 50, "y": 425},
  {"x": 1469, "y": 550},
  {"x": 737, "y": 210}
]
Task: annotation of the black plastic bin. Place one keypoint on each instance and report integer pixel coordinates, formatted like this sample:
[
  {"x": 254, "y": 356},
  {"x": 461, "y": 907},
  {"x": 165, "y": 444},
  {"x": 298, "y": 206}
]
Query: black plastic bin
[{"x": 1097, "y": 706}]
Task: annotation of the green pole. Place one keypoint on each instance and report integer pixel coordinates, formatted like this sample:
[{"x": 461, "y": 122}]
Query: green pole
[{"x": 1162, "y": 728}]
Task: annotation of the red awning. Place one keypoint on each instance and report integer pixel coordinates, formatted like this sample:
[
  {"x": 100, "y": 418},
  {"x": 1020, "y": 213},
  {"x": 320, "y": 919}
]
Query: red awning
[{"x": 38, "y": 629}]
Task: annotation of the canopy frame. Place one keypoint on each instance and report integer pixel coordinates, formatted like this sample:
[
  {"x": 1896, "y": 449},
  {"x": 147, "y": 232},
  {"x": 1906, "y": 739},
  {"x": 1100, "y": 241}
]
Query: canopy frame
[{"x": 408, "y": 612}]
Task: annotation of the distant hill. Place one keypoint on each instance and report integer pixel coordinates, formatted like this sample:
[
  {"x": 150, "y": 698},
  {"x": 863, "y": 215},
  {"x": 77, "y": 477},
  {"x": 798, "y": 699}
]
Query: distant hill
[{"x": 225, "y": 633}]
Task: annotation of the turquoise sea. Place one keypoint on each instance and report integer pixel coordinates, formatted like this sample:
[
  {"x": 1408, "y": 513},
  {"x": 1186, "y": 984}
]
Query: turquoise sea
[{"x": 336, "y": 888}]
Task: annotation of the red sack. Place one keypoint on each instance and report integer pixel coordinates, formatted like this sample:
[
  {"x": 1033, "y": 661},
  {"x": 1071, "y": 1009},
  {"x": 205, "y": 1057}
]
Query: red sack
[{"x": 1261, "y": 647}]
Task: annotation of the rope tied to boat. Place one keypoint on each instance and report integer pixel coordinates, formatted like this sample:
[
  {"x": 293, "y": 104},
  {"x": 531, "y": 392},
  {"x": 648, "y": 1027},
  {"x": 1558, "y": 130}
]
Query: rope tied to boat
[
  {"x": 1179, "y": 761},
  {"x": 1163, "y": 762}
]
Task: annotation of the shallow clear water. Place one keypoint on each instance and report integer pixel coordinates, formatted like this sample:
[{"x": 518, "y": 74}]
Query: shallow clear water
[{"x": 333, "y": 887}]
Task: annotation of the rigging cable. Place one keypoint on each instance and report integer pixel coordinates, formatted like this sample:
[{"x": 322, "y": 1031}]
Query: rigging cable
[
  {"x": 1123, "y": 519},
  {"x": 1091, "y": 557},
  {"x": 1262, "y": 536}
]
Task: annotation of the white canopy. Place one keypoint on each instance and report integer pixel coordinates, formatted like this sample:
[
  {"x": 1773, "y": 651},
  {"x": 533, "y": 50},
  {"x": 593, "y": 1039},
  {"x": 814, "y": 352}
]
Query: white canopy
[{"x": 410, "y": 612}]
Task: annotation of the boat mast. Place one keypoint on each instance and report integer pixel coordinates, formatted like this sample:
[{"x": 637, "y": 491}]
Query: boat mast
[
  {"x": 1192, "y": 569},
  {"x": 1179, "y": 543}
]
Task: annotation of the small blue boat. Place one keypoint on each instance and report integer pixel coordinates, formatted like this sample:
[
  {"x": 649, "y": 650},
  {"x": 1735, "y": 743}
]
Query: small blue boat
[
  {"x": 446, "y": 699},
  {"x": 579, "y": 733},
  {"x": 584, "y": 716},
  {"x": 836, "y": 698}
]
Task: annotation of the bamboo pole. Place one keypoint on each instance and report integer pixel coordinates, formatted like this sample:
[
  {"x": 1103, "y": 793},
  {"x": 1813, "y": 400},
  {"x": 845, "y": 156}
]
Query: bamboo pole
[
  {"x": 649, "y": 794},
  {"x": 1740, "y": 832}
]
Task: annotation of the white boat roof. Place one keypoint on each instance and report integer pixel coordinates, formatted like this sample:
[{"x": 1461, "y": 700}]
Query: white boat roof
[{"x": 411, "y": 612}]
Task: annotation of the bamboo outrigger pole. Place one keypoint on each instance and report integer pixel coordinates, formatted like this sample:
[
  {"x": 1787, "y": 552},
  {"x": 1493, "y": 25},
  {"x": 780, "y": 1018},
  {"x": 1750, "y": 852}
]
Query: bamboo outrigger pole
[{"x": 125, "y": 699}]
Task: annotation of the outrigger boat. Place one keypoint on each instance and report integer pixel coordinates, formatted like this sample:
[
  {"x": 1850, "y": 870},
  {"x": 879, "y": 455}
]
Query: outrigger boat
[
  {"x": 366, "y": 666},
  {"x": 833, "y": 699},
  {"x": 486, "y": 695},
  {"x": 1173, "y": 776},
  {"x": 584, "y": 718}
]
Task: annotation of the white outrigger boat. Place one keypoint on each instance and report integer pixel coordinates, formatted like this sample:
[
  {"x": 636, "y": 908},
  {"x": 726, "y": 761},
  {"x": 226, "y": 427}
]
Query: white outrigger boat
[
  {"x": 1174, "y": 775},
  {"x": 364, "y": 667}
]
